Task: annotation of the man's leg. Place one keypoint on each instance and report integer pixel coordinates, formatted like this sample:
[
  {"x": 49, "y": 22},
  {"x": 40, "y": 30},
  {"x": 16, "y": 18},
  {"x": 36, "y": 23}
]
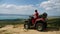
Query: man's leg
[{"x": 33, "y": 21}]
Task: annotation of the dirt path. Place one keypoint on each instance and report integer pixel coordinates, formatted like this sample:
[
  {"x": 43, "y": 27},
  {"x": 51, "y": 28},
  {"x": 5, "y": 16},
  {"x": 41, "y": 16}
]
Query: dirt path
[{"x": 9, "y": 29}]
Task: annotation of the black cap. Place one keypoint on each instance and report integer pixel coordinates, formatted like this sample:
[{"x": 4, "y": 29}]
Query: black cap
[{"x": 35, "y": 10}]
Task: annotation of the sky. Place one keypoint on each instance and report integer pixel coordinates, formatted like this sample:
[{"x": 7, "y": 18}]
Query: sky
[{"x": 27, "y": 7}]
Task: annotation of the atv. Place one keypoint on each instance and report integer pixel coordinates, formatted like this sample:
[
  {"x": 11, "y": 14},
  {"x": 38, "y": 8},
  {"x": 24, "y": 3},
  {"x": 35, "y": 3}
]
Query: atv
[{"x": 40, "y": 23}]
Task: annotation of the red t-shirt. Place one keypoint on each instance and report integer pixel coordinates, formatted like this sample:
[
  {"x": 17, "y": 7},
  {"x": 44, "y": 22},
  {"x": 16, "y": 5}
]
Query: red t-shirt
[{"x": 36, "y": 15}]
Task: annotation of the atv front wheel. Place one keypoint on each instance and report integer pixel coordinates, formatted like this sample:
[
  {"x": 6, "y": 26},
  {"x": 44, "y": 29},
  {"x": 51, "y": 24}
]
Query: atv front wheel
[{"x": 26, "y": 26}]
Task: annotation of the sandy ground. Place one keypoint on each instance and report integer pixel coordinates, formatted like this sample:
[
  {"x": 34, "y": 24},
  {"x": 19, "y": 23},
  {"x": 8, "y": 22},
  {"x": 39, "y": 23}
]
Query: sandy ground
[{"x": 10, "y": 29}]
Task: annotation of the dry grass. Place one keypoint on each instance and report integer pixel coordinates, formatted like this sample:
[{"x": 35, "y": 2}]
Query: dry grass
[{"x": 9, "y": 29}]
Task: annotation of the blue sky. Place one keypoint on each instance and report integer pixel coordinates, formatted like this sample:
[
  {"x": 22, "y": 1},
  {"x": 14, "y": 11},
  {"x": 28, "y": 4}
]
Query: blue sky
[
  {"x": 52, "y": 7},
  {"x": 21, "y": 2}
]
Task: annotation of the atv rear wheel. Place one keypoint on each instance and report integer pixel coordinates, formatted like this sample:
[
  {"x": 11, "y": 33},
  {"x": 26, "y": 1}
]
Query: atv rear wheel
[{"x": 39, "y": 26}]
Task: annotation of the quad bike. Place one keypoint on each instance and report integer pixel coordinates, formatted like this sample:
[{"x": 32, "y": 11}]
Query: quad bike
[{"x": 40, "y": 23}]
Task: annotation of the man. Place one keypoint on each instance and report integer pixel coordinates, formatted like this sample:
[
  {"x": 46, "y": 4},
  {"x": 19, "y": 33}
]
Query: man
[{"x": 35, "y": 15}]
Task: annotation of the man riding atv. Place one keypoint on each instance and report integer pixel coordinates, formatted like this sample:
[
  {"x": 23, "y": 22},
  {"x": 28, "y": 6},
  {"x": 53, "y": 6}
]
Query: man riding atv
[{"x": 36, "y": 21}]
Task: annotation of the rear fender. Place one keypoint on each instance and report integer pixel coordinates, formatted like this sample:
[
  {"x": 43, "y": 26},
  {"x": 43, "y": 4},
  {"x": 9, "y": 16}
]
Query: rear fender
[{"x": 40, "y": 19}]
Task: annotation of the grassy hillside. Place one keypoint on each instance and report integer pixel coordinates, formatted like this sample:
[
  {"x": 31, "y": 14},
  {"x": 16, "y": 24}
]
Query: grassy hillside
[{"x": 54, "y": 22}]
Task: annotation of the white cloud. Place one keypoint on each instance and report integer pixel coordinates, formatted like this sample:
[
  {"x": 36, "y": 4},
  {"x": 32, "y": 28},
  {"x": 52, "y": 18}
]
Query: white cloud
[
  {"x": 51, "y": 6},
  {"x": 15, "y": 9}
]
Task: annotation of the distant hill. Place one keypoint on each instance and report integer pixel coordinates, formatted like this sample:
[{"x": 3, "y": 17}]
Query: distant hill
[
  {"x": 12, "y": 15},
  {"x": 19, "y": 16}
]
